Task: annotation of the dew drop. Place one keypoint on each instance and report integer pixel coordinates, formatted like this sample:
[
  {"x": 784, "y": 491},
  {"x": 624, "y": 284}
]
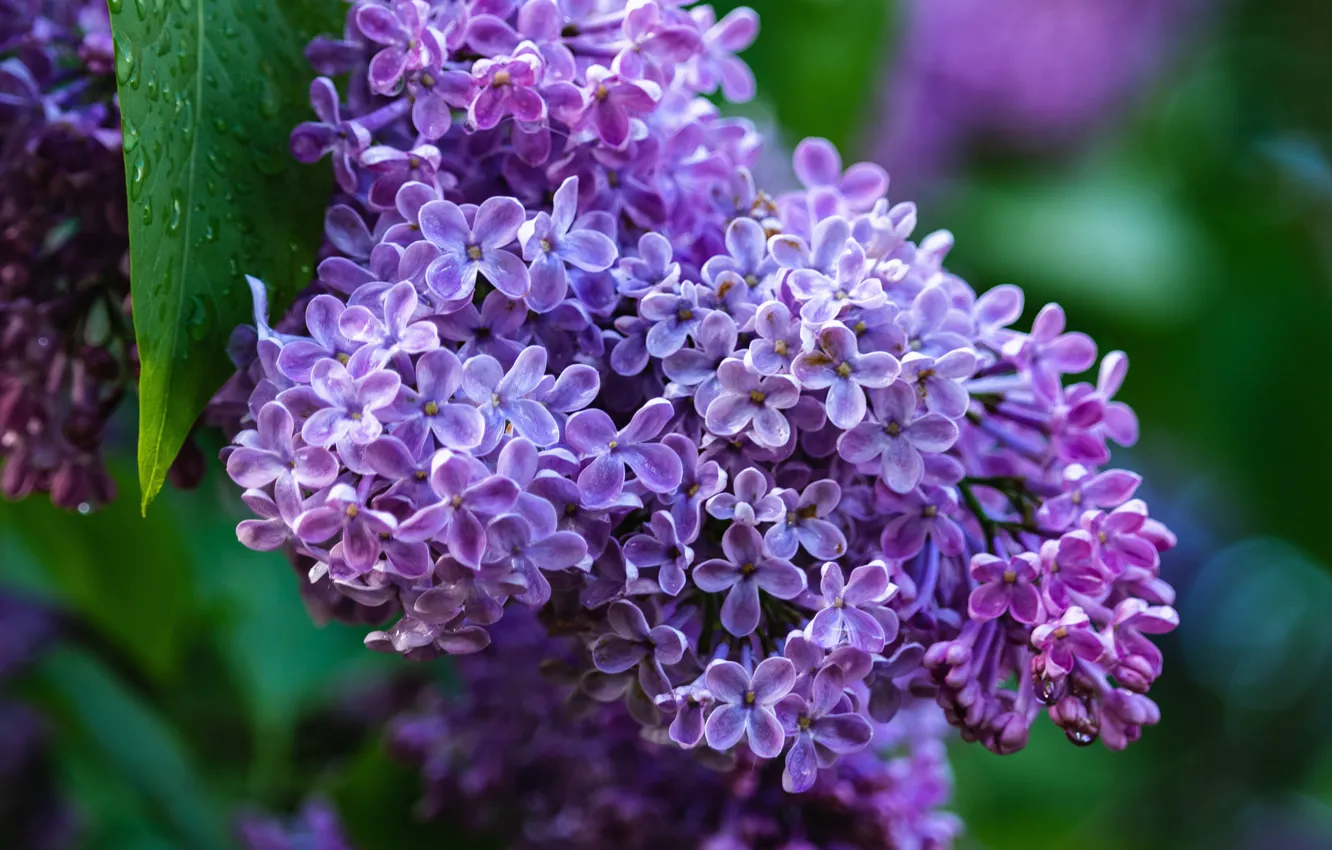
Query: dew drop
[
  {"x": 116, "y": 6},
  {"x": 177, "y": 212},
  {"x": 1081, "y": 737},
  {"x": 152, "y": 87},
  {"x": 138, "y": 174},
  {"x": 129, "y": 134},
  {"x": 147, "y": 213},
  {"x": 125, "y": 58},
  {"x": 141, "y": 9},
  {"x": 84, "y": 507},
  {"x": 1047, "y": 690},
  {"x": 200, "y": 319}
]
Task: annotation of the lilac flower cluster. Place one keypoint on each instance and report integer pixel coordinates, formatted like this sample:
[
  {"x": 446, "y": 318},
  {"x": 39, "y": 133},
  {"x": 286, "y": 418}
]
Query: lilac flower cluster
[
  {"x": 66, "y": 346},
  {"x": 763, "y": 458},
  {"x": 508, "y": 760}
]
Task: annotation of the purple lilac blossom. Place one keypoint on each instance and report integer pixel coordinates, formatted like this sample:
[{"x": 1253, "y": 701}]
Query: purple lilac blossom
[
  {"x": 509, "y": 760},
  {"x": 889, "y": 438}
]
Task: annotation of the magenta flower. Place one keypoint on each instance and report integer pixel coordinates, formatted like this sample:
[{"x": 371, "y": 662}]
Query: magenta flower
[
  {"x": 746, "y": 569},
  {"x": 1116, "y": 537},
  {"x": 611, "y": 98},
  {"x": 1065, "y": 640},
  {"x": 1006, "y": 588},
  {"x": 745, "y": 705},
  {"x": 507, "y": 85},
  {"x": 853, "y": 611},
  {"x": 1084, "y": 490}
]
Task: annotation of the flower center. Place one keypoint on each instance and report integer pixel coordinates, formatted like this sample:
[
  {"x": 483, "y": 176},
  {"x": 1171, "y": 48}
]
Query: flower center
[
  {"x": 431, "y": 409},
  {"x": 546, "y": 245},
  {"x": 752, "y": 280},
  {"x": 352, "y": 511},
  {"x": 457, "y": 500},
  {"x": 602, "y": 92},
  {"x": 421, "y": 475},
  {"x": 613, "y": 444},
  {"x": 893, "y": 429},
  {"x": 1076, "y": 497},
  {"x": 1100, "y": 535},
  {"x": 930, "y": 511},
  {"x": 1010, "y": 577},
  {"x": 804, "y": 723},
  {"x": 1061, "y": 632},
  {"x": 843, "y": 370},
  {"x": 344, "y": 358},
  {"x": 354, "y": 415},
  {"x": 502, "y": 78},
  {"x": 780, "y": 347},
  {"x": 427, "y": 81},
  {"x": 474, "y": 252},
  {"x": 748, "y": 569},
  {"x": 684, "y": 314},
  {"x": 571, "y": 509},
  {"x": 750, "y": 698},
  {"x": 757, "y": 397},
  {"x": 839, "y": 602},
  {"x": 692, "y": 491}
]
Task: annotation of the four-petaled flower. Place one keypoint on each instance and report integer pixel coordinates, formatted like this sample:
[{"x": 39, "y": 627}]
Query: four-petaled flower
[
  {"x": 631, "y": 642},
  {"x": 839, "y": 367},
  {"x": 749, "y": 399},
  {"x": 268, "y": 455},
  {"x": 752, "y": 503},
  {"x": 393, "y": 332},
  {"x": 352, "y": 404},
  {"x": 745, "y": 570},
  {"x": 1065, "y": 640},
  {"x": 821, "y": 732},
  {"x": 853, "y": 610},
  {"x": 745, "y": 705},
  {"x": 592, "y": 434},
  {"x": 662, "y": 548},
  {"x": 505, "y": 397},
  {"x": 897, "y": 436},
  {"x": 1006, "y": 588},
  {"x": 468, "y": 249},
  {"x": 554, "y": 240}
]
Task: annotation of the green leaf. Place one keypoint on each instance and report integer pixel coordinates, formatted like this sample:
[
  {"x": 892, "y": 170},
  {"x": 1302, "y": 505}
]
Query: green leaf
[
  {"x": 209, "y": 91},
  {"x": 145, "y": 752},
  {"x": 127, "y": 576}
]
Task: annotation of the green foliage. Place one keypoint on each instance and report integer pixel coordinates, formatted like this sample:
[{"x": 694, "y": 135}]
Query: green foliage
[
  {"x": 127, "y": 577},
  {"x": 818, "y": 63},
  {"x": 209, "y": 90},
  {"x": 138, "y": 746}
]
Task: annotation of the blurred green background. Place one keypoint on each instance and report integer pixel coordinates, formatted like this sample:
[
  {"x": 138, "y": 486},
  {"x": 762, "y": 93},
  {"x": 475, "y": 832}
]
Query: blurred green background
[{"x": 1189, "y": 224}]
